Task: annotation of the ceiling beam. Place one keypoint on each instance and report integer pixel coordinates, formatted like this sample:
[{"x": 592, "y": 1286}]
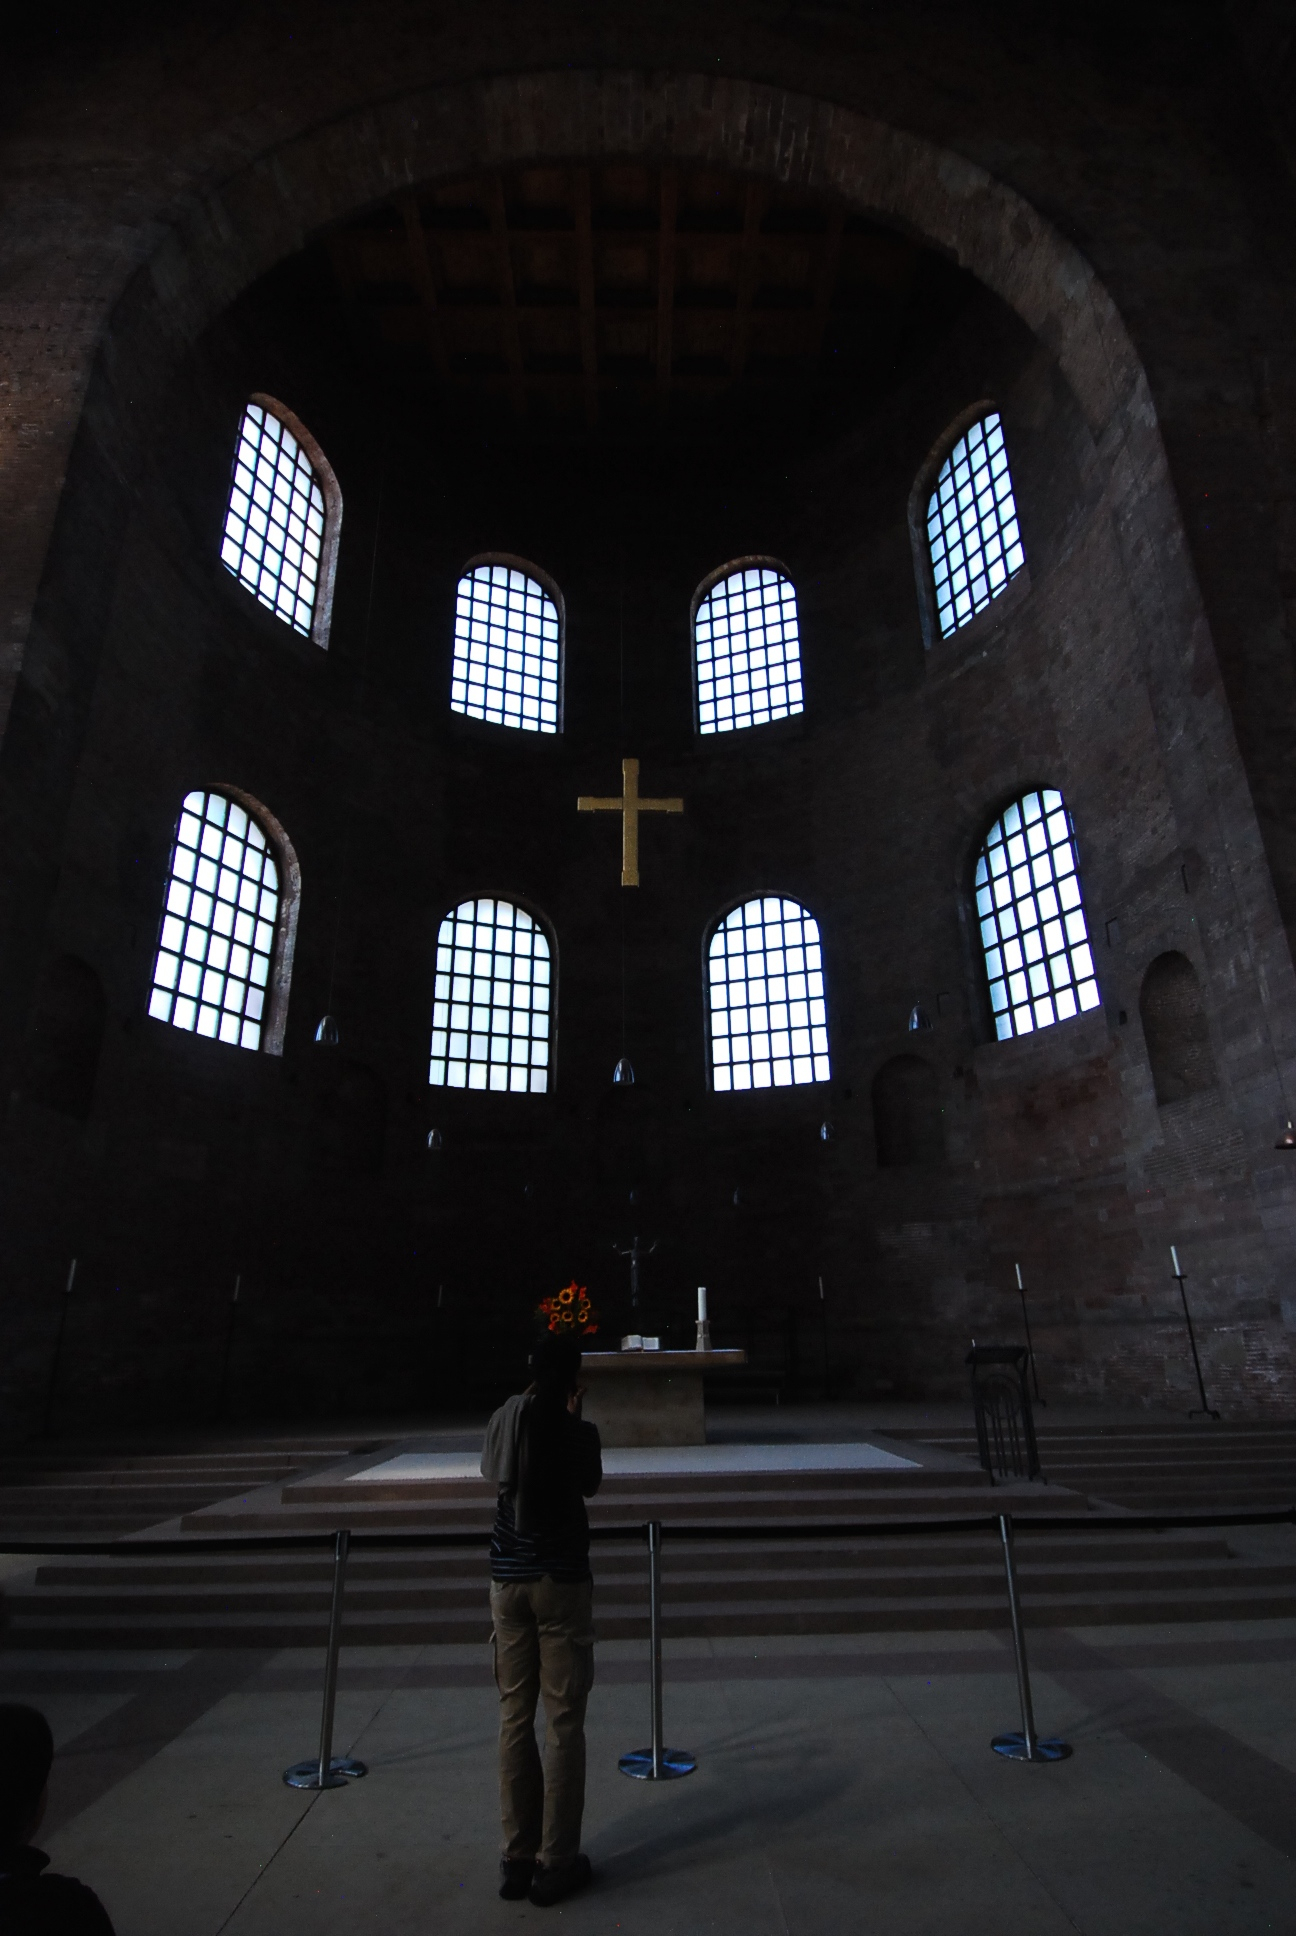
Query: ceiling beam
[
  {"x": 825, "y": 278},
  {"x": 666, "y": 281},
  {"x": 511, "y": 343},
  {"x": 747, "y": 262},
  {"x": 425, "y": 282},
  {"x": 585, "y": 290}
]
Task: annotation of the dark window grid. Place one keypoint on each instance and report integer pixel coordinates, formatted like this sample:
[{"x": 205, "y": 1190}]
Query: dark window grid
[
  {"x": 274, "y": 523},
  {"x": 506, "y": 650},
  {"x": 491, "y": 1007},
  {"x": 747, "y": 648},
  {"x": 1039, "y": 965},
  {"x": 768, "y": 1013},
  {"x": 972, "y": 526},
  {"x": 218, "y": 926}
]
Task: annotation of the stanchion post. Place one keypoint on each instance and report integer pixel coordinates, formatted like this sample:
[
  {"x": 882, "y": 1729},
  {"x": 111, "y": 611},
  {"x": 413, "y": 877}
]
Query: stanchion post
[
  {"x": 328, "y": 1770},
  {"x": 1206, "y": 1409},
  {"x": 656, "y": 1763},
  {"x": 1025, "y": 1746}
]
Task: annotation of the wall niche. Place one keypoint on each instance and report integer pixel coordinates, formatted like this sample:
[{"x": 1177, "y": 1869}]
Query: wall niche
[{"x": 1173, "y": 1015}]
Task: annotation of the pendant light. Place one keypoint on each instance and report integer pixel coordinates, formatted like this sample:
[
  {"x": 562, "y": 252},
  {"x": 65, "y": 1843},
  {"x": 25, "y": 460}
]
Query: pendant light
[
  {"x": 326, "y": 1033},
  {"x": 918, "y": 1017},
  {"x": 1287, "y": 1141},
  {"x": 623, "y": 1075}
]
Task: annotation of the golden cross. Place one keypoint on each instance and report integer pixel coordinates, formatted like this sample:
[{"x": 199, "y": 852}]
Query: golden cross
[{"x": 629, "y": 806}]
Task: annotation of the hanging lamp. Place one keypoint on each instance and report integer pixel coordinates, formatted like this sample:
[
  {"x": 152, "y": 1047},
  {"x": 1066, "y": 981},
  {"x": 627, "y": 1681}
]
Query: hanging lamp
[
  {"x": 623, "y": 1075},
  {"x": 326, "y": 1033}
]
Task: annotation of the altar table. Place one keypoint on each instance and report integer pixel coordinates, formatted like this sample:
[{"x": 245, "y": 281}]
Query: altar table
[{"x": 650, "y": 1397}]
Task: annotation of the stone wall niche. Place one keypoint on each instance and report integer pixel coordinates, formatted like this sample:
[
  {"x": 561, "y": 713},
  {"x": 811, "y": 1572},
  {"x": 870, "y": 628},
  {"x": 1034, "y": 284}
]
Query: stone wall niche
[
  {"x": 1174, "y": 1028},
  {"x": 907, "y": 1115},
  {"x": 61, "y": 1059}
]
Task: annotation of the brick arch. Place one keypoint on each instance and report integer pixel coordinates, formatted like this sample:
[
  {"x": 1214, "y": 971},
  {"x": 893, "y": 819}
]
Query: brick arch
[{"x": 234, "y": 233}]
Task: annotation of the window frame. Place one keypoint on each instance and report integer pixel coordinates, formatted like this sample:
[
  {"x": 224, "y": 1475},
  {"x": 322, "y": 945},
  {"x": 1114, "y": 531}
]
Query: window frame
[
  {"x": 549, "y": 586},
  {"x": 738, "y": 735},
  {"x": 522, "y": 905},
  {"x": 274, "y": 1021},
  {"x": 1018, "y": 586},
  {"x": 330, "y": 491},
  {"x": 708, "y": 936},
  {"x": 1020, "y": 792}
]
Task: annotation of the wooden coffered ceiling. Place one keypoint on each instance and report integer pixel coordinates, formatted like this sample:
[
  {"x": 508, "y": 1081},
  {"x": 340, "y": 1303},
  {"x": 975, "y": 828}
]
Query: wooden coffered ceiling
[{"x": 578, "y": 292}]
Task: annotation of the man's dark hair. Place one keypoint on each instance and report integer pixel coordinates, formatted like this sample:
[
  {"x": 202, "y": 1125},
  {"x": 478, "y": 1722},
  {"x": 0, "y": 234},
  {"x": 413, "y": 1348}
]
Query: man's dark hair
[
  {"x": 555, "y": 1366},
  {"x": 26, "y": 1755}
]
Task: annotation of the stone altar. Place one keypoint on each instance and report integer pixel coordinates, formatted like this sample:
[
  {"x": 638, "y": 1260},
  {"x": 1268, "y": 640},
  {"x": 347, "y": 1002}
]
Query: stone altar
[{"x": 650, "y": 1397}]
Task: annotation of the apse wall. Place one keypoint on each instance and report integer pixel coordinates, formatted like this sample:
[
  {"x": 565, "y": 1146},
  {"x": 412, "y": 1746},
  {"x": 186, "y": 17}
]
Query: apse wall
[{"x": 374, "y": 1273}]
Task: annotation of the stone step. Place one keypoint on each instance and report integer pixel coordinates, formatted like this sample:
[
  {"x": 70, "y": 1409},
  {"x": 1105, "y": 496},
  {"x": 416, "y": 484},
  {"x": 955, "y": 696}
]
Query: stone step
[
  {"x": 237, "y": 1570},
  {"x": 791, "y": 1615},
  {"x": 751, "y": 1587}
]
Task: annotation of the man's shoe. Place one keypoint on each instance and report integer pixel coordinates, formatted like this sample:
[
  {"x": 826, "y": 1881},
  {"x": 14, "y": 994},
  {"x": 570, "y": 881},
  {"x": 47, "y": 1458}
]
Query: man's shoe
[
  {"x": 554, "y": 1885},
  {"x": 516, "y": 1877}
]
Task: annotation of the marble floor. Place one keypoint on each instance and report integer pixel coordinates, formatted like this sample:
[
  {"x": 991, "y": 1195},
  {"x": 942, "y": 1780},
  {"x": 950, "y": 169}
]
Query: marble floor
[{"x": 844, "y": 1783}]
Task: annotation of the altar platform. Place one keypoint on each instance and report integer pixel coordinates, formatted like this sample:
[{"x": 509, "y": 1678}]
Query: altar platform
[{"x": 651, "y": 1397}]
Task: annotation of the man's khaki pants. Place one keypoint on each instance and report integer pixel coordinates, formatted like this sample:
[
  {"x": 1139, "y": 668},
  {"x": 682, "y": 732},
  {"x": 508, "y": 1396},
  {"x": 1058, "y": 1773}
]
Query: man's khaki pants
[{"x": 543, "y": 1642}]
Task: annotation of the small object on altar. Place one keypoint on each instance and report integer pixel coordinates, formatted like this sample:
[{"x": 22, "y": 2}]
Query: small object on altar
[
  {"x": 703, "y": 1335},
  {"x": 702, "y": 1309},
  {"x": 652, "y": 1344},
  {"x": 632, "y": 1342}
]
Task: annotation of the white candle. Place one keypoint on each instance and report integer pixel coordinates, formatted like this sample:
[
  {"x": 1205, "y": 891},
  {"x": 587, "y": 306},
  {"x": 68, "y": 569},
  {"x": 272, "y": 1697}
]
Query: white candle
[
  {"x": 1017, "y": 1268},
  {"x": 1174, "y": 1259},
  {"x": 702, "y": 1316}
]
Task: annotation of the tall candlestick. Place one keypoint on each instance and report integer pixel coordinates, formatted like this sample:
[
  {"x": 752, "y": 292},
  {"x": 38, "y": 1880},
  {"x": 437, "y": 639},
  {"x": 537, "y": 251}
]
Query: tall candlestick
[
  {"x": 702, "y": 1309},
  {"x": 1174, "y": 1260}
]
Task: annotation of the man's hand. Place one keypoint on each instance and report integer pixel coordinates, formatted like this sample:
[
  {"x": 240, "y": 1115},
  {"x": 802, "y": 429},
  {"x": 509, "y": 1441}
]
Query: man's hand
[{"x": 574, "y": 1402}]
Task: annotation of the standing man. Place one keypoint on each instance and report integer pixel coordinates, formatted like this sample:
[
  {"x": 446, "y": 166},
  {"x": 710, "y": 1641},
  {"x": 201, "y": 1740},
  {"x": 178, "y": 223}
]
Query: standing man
[{"x": 547, "y": 1461}]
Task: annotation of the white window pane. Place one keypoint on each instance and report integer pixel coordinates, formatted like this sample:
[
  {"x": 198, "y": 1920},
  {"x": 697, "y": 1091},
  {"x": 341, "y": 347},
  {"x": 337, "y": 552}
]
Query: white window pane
[
  {"x": 499, "y": 1013},
  {"x": 1038, "y": 963},
  {"x": 508, "y": 622},
  {"x": 195, "y": 951}
]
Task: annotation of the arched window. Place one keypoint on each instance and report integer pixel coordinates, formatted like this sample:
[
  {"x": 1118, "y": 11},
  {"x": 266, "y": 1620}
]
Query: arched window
[
  {"x": 746, "y": 649},
  {"x": 906, "y": 1114},
  {"x": 972, "y": 528},
  {"x": 216, "y": 957},
  {"x": 491, "y": 1018},
  {"x": 507, "y": 649},
  {"x": 1032, "y": 916},
  {"x": 769, "y": 1020},
  {"x": 1174, "y": 1027},
  {"x": 283, "y": 518}
]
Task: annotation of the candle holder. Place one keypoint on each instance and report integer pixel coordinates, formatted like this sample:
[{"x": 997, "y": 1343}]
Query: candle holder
[{"x": 703, "y": 1335}]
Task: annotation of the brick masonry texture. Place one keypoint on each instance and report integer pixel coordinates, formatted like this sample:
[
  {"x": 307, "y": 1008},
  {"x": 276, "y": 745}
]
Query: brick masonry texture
[{"x": 1122, "y": 222}]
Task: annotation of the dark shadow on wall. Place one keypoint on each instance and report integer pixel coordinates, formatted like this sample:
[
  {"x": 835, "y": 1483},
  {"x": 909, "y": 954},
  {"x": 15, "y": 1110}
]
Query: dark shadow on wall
[
  {"x": 1174, "y": 1028},
  {"x": 907, "y": 1114},
  {"x": 65, "y": 1035},
  {"x": 349, "y": 1109}
]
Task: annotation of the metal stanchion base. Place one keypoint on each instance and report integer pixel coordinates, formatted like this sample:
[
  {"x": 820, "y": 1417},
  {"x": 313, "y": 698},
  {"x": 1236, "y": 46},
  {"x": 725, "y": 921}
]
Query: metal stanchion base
[
  {"x": 638, "y": 1764},
  {"x": 1013, "y": 1746},
  {"x": 342, "y": 1769}
]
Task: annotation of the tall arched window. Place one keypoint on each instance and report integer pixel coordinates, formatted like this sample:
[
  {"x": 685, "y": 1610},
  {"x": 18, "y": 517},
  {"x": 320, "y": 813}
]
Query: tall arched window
[
  {"x": 1033, "y": 930},
  {"x": 769, "y": 1019},
  {"x": 746, "y": 649},
  {"x": 491, "y": 1020},
  {"x": 217, "y": 949},
  {"x": 507, "y": 649},
  {"x": 972, "y": 528},
  {"x": 283, "y": 518}
]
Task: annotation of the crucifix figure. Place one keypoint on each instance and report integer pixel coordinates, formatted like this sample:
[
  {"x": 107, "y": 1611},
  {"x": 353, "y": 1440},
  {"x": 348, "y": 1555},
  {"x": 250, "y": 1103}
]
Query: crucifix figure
[
  {"x": 636, "y": 1254},
  {"x": 629, "y": 806}
]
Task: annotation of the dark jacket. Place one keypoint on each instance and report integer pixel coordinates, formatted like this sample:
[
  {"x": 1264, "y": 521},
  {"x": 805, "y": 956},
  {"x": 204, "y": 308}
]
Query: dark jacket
[
  {"x": 545, "y": 1467},
  {"x": 35, "y": 1904}
]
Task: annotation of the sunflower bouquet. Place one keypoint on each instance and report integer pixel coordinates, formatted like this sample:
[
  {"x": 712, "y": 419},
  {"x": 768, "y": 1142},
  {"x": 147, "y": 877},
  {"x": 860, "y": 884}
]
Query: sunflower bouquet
[{"x": 569, "y": 1312}]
